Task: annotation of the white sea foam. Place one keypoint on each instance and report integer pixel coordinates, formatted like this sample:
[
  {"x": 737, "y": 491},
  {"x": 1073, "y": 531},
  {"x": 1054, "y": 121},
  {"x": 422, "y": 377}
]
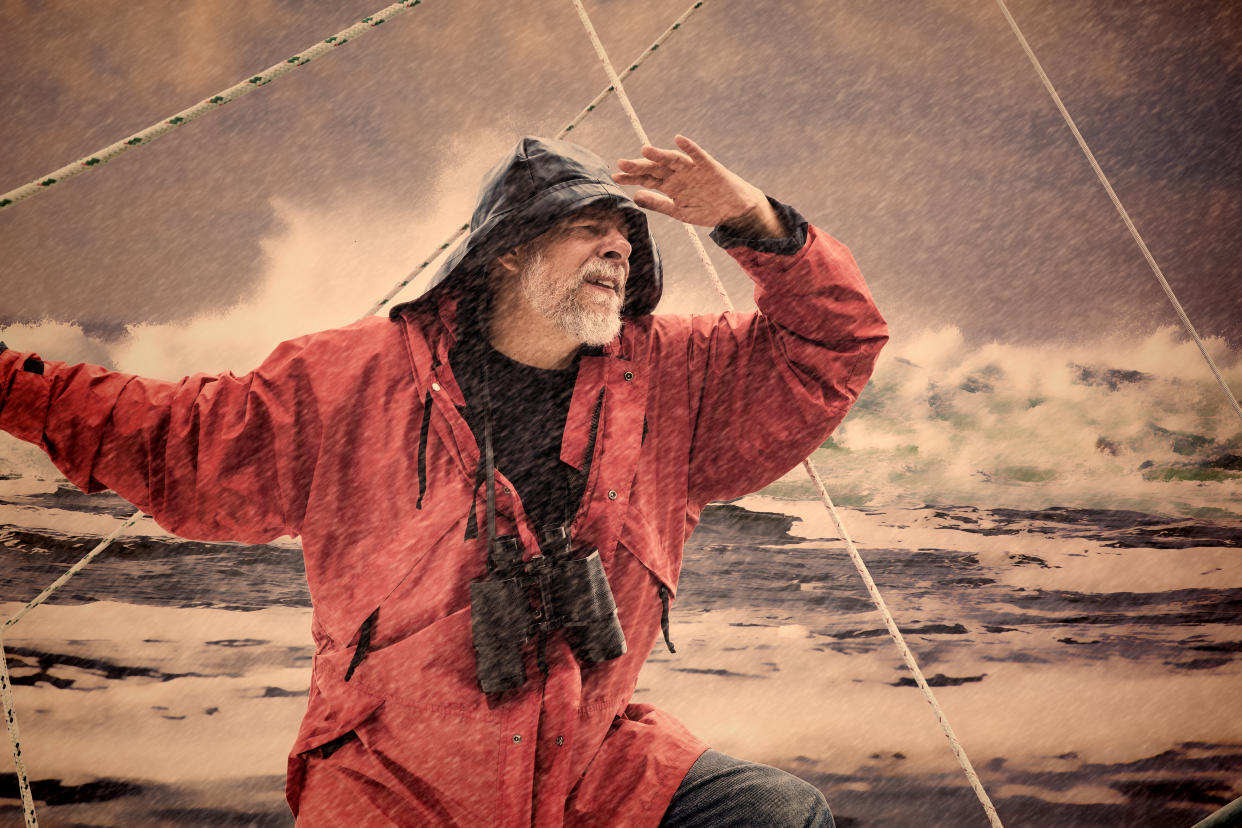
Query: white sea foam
[{"x": 1137, "y": 424}]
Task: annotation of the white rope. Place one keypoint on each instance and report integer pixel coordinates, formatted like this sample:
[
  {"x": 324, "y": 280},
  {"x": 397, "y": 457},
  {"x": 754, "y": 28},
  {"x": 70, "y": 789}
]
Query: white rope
[
  {"x": 201, "y": 108},
  {"x": 77, "y": 168},
  {"x": 642, "y": 136},
  {"x": 859, "y": 564},
  {"x": 73, "y": 570},
  {"x": 578, "y": 119},
  {"x": 1125, "y": 216},
  {"x": 899, "y": 640},
  {"x": 10, "y": 718},
  {"x": 413, "y": 274},
  {"x": 267, "y": 77},
  {"x": 374, "y": 308},
  {"x": 6, "y": 689},
  {"x": 656, "y": 44}
]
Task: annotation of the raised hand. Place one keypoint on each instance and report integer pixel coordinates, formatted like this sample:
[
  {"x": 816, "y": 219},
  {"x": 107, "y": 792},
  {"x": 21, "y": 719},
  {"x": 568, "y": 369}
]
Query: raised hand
[{"x": 691, "y": 186}]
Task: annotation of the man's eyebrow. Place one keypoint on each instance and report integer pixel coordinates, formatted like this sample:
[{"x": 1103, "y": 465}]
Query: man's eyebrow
[{"x": 596, "y": 218}]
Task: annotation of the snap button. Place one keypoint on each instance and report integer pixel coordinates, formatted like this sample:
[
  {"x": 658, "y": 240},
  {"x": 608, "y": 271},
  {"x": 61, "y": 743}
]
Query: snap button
[
  {"x": 629, "y": 375},
  {"x": 508, "y": 490},
  {"x": 560, "y": 740},
  {"x": 435, "y": 386},
  {"x": 517, "y": 737},
  {"x": 612, "y": 494}
]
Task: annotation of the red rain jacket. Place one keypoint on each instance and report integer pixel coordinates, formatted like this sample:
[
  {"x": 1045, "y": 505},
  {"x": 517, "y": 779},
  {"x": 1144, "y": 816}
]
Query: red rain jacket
[{"x": 322, "y": 441}]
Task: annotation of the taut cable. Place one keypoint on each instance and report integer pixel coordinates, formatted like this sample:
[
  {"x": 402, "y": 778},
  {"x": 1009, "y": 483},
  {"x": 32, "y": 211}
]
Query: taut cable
[
  {"x": 859, "y": 564},
  {"x": 578, "y": 119},
  {"x": 615, "y": 79},
  {"x": 206, "y": 105},
  {"x": 6, "y": 694},
  {"x": 76, "y": 568},
  {"x": 10, "y": 719},
  {"x": 1121, "y": 211}
]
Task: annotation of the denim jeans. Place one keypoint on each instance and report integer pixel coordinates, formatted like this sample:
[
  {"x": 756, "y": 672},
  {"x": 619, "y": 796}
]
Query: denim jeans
[{"x": 722, "y": 791}]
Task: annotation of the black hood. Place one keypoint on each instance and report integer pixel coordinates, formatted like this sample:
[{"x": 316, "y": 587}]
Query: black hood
[{"x": 542, "y": 182}]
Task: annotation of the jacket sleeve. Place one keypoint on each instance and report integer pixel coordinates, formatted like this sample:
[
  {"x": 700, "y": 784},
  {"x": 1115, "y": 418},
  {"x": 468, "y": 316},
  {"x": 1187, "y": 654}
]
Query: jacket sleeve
[
  {"x": 772, "y": 385},
  {"x": 208, "y": 457}
]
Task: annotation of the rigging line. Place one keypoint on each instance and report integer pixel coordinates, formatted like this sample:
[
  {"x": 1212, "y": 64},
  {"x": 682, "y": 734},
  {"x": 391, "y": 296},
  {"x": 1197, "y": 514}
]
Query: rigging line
[
  {"x": 10, "y": 711},
  {"x": 211, "y": 104},
  {"x": 1125, "y": 216},
  {"x": 899, "y": 640},
  {"x": 578, "y": 119},
  {"x": 73, "y": 570},
  {"x": 893, "y": 631},
  {"x": 77, "y": 168},
  {"x": 6, "y": 688},
  {"x": 642, "y": 136},
  {"x": 10, "y": 718}
]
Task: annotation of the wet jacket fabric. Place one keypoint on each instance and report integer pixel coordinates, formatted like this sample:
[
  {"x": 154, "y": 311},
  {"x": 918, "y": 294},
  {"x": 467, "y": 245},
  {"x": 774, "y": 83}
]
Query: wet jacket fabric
[{"x": 353, "y": 440}]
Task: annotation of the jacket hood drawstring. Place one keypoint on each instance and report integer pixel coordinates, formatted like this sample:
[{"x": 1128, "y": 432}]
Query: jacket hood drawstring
[{"x": 368, "y": 626}]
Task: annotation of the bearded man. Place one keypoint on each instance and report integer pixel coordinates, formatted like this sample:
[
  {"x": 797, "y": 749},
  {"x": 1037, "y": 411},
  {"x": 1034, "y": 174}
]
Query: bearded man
[{"x": 493, "y": 487}]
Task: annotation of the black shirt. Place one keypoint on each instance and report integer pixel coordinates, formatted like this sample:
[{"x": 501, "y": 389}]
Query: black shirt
[{"x": 529, "y": 409}]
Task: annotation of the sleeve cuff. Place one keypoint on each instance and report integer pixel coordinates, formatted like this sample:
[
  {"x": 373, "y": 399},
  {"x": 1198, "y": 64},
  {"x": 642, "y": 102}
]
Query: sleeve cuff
[
  {"x": 787, "y": 246},
  {"x": 24, "y": 396}
]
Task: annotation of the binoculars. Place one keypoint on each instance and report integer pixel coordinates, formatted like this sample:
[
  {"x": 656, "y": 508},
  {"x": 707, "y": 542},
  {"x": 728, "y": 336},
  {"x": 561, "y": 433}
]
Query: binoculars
[{"x": 519, "y": 600}]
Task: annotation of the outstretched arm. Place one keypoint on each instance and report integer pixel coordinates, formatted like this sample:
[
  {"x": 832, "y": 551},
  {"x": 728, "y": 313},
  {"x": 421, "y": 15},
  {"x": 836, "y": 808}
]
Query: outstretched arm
[{"x": 209, "y": 457}]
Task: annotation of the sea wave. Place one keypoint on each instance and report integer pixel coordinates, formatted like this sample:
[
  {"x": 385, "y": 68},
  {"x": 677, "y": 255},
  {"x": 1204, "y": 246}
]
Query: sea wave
[
  {"x": 1138, "y": 424},
  {"x": 1126, "y": 423}
]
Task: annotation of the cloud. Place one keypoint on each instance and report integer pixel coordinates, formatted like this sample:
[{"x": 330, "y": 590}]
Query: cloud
[
  {"x": 187, "y": 44},
  {"x": 323, "y": 266}
]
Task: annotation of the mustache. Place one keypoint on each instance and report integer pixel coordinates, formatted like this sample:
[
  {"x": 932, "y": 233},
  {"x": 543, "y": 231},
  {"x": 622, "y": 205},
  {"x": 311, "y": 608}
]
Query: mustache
[{"x": 612, "y": 272}]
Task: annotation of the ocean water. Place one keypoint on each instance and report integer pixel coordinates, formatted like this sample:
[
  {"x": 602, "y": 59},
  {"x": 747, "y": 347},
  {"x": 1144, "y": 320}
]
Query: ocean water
[{"x": 1088, "y": 659}]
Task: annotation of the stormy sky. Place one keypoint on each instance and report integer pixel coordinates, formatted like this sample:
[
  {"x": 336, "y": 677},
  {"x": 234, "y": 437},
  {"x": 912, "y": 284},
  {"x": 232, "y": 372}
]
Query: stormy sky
[{"x": 918, "y": 133}]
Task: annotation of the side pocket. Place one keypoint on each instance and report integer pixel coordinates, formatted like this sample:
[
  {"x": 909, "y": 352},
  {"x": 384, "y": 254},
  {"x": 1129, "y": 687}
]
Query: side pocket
[{"x": 641, "y": 541}]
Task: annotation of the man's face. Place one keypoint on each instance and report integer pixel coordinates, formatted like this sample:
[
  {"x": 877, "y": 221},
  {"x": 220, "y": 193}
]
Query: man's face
[{"x": 575, "y": 273}]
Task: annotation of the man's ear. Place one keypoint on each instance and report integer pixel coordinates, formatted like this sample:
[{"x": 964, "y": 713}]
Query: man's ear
[{"x": 508, "y": 261}]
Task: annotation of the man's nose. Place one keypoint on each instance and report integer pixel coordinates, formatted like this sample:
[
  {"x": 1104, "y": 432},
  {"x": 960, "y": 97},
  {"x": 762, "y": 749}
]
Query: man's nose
[{"x": 615, "y": 245}]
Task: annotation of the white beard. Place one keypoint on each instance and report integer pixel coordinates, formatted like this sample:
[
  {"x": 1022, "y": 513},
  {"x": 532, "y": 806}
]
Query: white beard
[{"x": 588, "y": 323}]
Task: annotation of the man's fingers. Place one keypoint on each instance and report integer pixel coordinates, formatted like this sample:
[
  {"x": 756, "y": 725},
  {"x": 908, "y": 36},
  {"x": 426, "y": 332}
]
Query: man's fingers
[
  {"x": 696, "y": 153},
  {"x": 658, "y": 202},
  {"x": 636, "y": 179},
  {"x": 669, "y": 158},
  {"x": 641, "y": 166}
]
